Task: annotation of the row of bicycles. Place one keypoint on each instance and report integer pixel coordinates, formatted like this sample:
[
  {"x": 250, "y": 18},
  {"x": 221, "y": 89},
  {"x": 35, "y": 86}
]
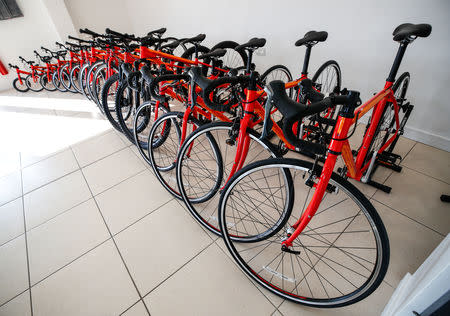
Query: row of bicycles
[{"x": 262, "y": 160}]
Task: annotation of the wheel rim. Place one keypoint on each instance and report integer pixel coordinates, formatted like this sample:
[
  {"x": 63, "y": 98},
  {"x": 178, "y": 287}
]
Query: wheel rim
[{"x": 332, "y": 268}]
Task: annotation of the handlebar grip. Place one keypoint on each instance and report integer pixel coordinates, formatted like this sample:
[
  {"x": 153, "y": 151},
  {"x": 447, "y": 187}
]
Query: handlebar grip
[
  {"x": 214, "y": 85},
  {"x": 155, "y": 81},
  {"x": 127, "y": 36},
  {"x": 89, "y": 32},
  {"x": 146, "y": 74}
]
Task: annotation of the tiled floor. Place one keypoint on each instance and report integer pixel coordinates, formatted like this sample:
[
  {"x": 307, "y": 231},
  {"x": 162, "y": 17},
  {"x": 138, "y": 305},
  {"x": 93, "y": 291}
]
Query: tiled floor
[{"x": 86, "y": 229}]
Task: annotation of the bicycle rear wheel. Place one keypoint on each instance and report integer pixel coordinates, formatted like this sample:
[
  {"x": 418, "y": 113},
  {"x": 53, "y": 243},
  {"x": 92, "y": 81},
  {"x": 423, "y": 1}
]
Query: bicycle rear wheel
[
  {"x": 20, "y": 87},
  {"x": 34, "y": 83},
  {"x": 47, "y": 84},
  {"x": 386, "y": 126},
  {"x": 340, "y": 257}
]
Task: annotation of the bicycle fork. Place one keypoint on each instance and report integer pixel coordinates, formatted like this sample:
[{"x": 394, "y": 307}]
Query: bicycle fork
[{"x": 334, "y": 150}]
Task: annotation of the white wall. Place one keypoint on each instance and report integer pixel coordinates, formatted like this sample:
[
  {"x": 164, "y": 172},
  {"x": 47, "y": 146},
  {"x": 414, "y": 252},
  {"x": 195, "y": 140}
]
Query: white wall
[
  {"x": 97, "y": 15},
  {"x": 359, "y": 39},
  {"x": 20, "y": 36}
]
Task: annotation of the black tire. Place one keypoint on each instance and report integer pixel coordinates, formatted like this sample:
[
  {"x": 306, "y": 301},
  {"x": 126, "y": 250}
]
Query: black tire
[
  {"x": 233, "y": 58},
  {"x": 34, "y": 85},
  {"x": 308, "y": 244},
  {"x": 57, "y": 83},
  {"x": 109, "y": 91},
  {"x": 190, "y": 54},
  {"x": 127, "y": 102},
  {"x": 163, "y": 156},
  {"x": 91, "y": 74},
  {"x": 197, "y": 183},
  {"x": 84, "y": 80},
  {"x": 74, "y": 80},
  {"x": 278, "y": 72},
  {"x": 141, "y": 135},
  {"x": 64, "y": 78},
  {"x": 99, "y": 79},
  {"x": 47, "y": 84},
  {"x": 20, "y": 87}
]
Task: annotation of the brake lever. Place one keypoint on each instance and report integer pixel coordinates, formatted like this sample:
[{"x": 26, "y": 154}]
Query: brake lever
[{"x": 267, "y": 126}]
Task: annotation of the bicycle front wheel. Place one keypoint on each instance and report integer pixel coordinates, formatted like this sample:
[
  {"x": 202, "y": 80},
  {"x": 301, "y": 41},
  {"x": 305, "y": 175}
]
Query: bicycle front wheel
[{"x": 339, "y": 258}]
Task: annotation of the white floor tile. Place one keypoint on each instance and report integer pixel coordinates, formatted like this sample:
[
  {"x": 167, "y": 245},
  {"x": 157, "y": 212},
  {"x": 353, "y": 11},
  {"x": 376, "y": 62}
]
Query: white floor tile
[
  {"x": 47, "y": 170},
  {"x": 54, "y": 198},
  {"x": 136, "y": 310},
  {"x": 418, "y": 196},
  {"x": 153, "y": 250},
  {"x": 10, "y": 187},
  {"x": 96, "y": 284},
  {"x": 97, "y": 147},
  {"x": 408, "y": 250},
  {"x": 209, "y": 284},
  {"x": 13, "y": 271},
  {"x": 11, "y": 220},
  {"x": 109, "y": 171},
  {"x": 19, "y": 306},
  {"x": 64, "y": 238},
  {"x": 132, "y": 199}
]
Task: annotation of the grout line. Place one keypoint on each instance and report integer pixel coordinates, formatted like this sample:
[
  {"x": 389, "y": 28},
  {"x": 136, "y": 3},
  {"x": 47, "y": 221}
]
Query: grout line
[
  {"x": 427, "y": 175},
  {"x": 141, "y": 218},
  {"x": 181, "y": 267},
  {"x": 26, "y": 237},
  {"x": 113, "y": 240},
  {"x": 59, "y": 214},
  {"x": 73, "y": 171},
  {"x": 70, "y": 262},
  {"x": 414, "y": 220},
  {"x": 404, "y": 157},
  {"x": 12, "y": 298},
  {"x": 249, "y": 279},
  {"x": 130, "y": 307}
]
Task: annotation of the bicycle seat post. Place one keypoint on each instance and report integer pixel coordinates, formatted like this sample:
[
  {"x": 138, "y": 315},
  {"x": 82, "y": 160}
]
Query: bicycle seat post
[
  {"x": 306, "y": 60},
  {"x": 397, "y": 61},
  {"x": 249, "y": 60}
]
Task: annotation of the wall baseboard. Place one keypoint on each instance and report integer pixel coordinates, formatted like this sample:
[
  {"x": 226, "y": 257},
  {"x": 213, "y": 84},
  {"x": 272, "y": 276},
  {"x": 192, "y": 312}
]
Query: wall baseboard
[{"x": 427, "y": 138}]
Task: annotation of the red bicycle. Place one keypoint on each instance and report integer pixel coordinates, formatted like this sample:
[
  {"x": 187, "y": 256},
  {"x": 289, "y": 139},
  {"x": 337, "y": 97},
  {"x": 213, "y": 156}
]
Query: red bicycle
[{"x": 297, "y": 228}]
